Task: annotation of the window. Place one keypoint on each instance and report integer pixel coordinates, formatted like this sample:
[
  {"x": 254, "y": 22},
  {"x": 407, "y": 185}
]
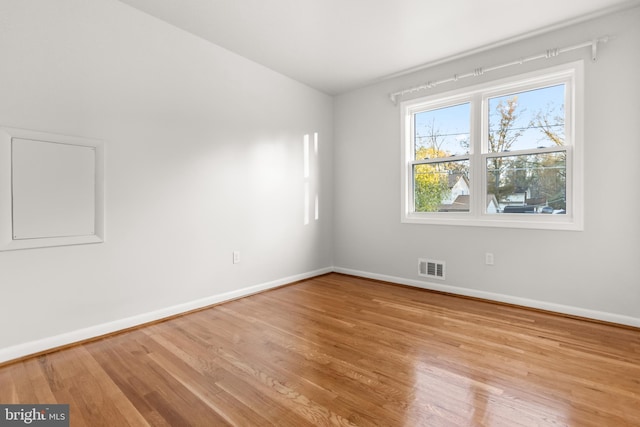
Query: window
[{"x": 505, "y": 154}]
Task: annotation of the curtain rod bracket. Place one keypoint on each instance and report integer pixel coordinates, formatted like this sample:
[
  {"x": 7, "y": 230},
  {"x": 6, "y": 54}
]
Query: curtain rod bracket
[
  {"x": 552, "y": 53},
  {"x": 594, "y": 47}
]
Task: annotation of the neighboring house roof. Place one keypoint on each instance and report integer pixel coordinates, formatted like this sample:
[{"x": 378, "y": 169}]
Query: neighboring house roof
[
  {"x": 491, "y": 198},
  {"x": 461, "y": 203},
  {"x": 536, "y": 201},
  {"x": 455, "y": 177}
]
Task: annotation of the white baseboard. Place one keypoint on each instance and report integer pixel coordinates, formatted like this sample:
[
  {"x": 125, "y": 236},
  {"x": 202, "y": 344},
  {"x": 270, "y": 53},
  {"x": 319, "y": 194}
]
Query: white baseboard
[
  {"x": 542, "y": 305},
  {"x": 41, "y": 345},
  {"x": 38, "y": 346}
]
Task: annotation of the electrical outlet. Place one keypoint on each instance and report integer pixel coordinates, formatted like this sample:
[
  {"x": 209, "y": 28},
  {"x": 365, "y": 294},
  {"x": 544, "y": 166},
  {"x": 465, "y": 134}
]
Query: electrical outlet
[
  {"x": 488, "y": 258},
  {"x": 236, "y": 257}
]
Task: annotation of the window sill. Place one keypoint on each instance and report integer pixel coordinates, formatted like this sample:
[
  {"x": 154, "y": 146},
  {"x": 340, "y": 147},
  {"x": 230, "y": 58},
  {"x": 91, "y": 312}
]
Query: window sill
[{"x": 526, "y": 221}]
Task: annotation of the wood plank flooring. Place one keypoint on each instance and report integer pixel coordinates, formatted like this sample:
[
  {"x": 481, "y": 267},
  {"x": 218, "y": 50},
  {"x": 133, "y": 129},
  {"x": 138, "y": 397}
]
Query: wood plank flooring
[{"x": 341, "y": 351}]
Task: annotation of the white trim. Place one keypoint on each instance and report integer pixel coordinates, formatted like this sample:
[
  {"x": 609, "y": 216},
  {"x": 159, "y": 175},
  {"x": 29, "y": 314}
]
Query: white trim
[
  {"x": 49, "y": 343},
  {"x": 525, "y": 302}
]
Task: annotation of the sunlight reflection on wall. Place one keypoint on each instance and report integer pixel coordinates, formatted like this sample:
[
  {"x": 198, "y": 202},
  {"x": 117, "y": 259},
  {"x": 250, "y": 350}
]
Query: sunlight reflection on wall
[{"x": 310, "y": 160}]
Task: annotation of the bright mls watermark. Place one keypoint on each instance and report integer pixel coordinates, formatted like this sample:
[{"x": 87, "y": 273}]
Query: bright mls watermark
[{"x": 34, "y": 415}]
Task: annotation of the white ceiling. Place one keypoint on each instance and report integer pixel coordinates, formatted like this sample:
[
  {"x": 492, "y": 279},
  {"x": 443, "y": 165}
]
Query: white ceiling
[{"x": 338, "y": 45}]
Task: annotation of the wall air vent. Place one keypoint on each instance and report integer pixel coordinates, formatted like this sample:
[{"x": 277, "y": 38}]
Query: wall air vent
[{"x": 431, "y": 268}]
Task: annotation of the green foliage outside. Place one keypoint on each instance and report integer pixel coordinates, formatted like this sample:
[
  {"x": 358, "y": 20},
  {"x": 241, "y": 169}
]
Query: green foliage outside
[{"x": 430, "y": 182}]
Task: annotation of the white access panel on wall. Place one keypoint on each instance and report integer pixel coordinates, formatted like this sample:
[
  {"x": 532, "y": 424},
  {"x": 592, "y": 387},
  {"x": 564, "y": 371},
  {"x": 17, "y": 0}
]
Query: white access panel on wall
[{"x": 51, "y": 189}]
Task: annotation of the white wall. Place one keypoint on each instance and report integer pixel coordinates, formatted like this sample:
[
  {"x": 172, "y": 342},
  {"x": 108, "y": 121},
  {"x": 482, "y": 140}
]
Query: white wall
[
  {"x": 204, "y": 155},
  {"x": 595, "y": 272}
]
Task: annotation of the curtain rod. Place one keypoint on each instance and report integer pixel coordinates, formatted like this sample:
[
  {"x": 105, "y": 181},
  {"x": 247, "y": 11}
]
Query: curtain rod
[{"x": 550, "y": 53}]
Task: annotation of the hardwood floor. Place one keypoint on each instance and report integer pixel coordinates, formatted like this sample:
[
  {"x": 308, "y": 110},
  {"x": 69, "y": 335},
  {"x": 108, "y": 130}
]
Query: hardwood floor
[{"x": 339, "y": 350}]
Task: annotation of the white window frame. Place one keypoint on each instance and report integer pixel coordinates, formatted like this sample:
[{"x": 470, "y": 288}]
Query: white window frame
[{"x": 570, "y": 74}]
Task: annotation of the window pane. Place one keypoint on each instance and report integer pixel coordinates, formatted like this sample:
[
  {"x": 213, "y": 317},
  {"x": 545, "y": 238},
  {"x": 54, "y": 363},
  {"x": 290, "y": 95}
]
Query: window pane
[
  {"x": 442, "y": 133},
  {"x": 525, "y": 120},
  {"x": 535, "y": 183},
  {"x": 442, "y": 187}
]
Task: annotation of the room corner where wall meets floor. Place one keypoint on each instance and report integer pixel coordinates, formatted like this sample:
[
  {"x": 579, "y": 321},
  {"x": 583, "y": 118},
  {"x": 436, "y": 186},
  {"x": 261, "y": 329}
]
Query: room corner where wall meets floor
[
  {"x": 203, "y": 156},
  {"x": 592, "y": 272},
  {"x": 48, "y": 344}
]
